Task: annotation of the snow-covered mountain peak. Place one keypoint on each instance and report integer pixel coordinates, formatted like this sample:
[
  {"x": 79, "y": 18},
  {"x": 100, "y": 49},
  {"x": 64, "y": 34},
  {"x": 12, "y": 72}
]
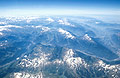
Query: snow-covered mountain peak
[
  {"x": 87, "y": 37},
  {"x": 64, "y": 22},
  {"x": 72, "y": 61},
  {"x": 50, "y": 20},
  {"x": 66, "y": 33}
]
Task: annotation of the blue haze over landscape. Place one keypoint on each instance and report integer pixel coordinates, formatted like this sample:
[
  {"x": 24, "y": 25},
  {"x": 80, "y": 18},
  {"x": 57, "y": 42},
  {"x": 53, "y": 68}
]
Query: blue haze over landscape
[
  {"x": 59, "y": 38},
  {"x": 60, "y": 6}
]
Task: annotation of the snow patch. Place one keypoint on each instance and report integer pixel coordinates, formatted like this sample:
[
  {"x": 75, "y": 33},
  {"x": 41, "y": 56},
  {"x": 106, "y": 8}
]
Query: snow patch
[
  {"x": 38, "y": 26},
  {"x": 44, "y": 29},
  {"x": 38, "y": 61},
  {"x": 25, "y": 56},
  {"x": 27, "y": 75},
  {"x": 68, "y": 35},
  {"x": 115, "y": 68},
  {"x": 28, "y": 21},
  {"x": 58, "y": 61},
  {"x": 64, "y": 22},
  {"x": 17, "y": 75},
  {"x": 3, "y": 23},
  {"x": 4, "y": 29},
  {"x": 73, "y": 62},
  {"x": 50, "y": 20},
  {"x": 86, "y": 37},
  {"x": 1, "y": 45},
  {"x": 17, "y": 58},
  {"x": 10, "y": 26},
  {"x": 1, "y": 33},
  {"x": 97, "y": 22}
]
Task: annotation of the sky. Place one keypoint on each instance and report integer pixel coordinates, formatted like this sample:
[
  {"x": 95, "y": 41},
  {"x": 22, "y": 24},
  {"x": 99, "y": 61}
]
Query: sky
[{"x": 12, "y": 7}]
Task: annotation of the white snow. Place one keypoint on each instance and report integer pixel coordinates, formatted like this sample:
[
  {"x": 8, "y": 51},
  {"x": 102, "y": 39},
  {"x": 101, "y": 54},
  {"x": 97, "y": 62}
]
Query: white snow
[
  {"x": 6, "y": 41},
  {"x": 1, "y": 45},
  {"x": 9, "y": 26},
  {"x": 3, "y": 28},
  {"x": 68, "y": 54},
  {"x": 38, "y": 26},
  {"x": 44, "y": 29},
  {"x": 27, "y": 75},
  {"x": 31, "y": 17},
  {"x": 35, "y": 62},
  {"x": 17, "y": 58},
  {"x": 64, "y": 22},
  {"x": 97, "y": 22},
  {"x": 50, "y": 19},
  {"x": 1, "y": 33},
  {"x": 58, "y": 61},
  {"x": 2, "y": 22},
  {"x": 17, "y": 75},
  {"x": 6, "y": 28},
  {"x": 73, "y": 62},
  {"x": 25, "y": 56},
  {"x": 107, "y": 66},
  {"x": 68, "y": 35},
  {"x": 28, "y": 21},
  {"x": 86, "y": 37},
  {"x": 61, "y": 22}
]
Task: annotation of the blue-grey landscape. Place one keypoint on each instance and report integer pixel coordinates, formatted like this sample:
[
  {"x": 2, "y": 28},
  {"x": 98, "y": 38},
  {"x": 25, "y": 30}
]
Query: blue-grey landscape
[{"x": 59, "y": 39}]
